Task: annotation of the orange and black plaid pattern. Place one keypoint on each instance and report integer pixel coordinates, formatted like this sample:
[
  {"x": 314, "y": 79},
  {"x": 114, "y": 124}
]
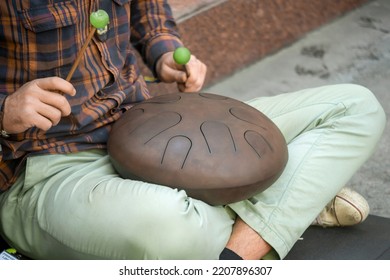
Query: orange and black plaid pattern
[{"x": 41, "y": 38}]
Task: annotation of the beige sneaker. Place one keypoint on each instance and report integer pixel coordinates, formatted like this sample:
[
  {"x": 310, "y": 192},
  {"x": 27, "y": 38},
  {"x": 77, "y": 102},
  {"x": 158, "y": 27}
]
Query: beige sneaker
[{"x": 348, "y": 208}]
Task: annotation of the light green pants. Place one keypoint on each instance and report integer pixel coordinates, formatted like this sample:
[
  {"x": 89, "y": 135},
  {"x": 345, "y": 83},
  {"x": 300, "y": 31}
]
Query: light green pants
[{"x": 76, "y": 207}]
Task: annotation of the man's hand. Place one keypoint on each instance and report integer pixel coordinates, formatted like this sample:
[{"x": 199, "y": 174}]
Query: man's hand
[
  {"x": 39, "y": 103},
  {"x": 189, "y": 79}
]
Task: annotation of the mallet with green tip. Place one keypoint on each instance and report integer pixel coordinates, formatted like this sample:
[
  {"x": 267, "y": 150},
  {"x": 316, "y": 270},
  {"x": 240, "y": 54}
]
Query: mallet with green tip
[
  {"x": 99, "y": 21},
  {"x": 181, "y": 56}
]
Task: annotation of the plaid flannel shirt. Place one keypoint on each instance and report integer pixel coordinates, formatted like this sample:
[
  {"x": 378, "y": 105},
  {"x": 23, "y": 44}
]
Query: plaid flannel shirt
[{"x": 41, "y": 38}]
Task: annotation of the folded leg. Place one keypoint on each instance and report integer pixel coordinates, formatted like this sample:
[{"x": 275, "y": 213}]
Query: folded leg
[{"x": 331, "y": 131}]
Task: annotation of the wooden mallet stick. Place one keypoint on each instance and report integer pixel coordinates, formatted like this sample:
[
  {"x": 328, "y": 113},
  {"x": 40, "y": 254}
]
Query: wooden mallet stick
[{"x": 98, "y": 20}]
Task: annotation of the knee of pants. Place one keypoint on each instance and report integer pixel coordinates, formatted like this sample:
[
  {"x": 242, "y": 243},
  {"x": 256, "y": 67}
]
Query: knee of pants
[
  {"x": 191, "y": 231},
  {"x": 183, "y": 229},
  {"x": 364, "y": 103}
]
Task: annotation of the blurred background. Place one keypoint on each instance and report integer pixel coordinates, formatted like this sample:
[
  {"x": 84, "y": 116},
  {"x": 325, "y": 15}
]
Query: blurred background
[{"x": 266, "y": 47}]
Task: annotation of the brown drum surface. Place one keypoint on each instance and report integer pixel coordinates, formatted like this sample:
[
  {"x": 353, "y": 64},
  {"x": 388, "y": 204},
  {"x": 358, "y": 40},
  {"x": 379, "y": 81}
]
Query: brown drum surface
[{"x": 217, "y": 149}]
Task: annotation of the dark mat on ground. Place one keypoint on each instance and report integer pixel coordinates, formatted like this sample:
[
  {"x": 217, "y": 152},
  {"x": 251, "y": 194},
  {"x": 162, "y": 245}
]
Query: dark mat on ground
[{"x": 367, "y": 241}]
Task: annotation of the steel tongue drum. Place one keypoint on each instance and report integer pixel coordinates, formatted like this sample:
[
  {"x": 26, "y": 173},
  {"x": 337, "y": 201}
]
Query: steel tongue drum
[{"x": 218, "y": 149}]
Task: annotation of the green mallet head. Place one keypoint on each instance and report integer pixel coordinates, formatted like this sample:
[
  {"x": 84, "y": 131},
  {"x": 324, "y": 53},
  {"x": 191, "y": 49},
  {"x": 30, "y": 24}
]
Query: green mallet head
[
  {"x": 99, "y": 19},
  {"x": 182, "y": 55}
]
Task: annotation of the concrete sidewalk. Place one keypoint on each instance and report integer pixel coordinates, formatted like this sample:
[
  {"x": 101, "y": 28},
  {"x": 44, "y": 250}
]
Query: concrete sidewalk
[{"x": 352, "y": 49}]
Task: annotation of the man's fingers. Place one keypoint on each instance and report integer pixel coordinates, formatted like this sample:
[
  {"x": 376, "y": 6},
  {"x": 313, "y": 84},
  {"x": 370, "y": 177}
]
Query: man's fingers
[
  {"x": 171, "y": 75},
  {"x": 52, "y": 114},
  {"x": 39, "y": 121},
  {"x": 43, "y": 117},
  {"x": 197, "y": 74},
  {"x": 196, "y": 70},
  {"x": 56, "y": 100},
  {"x": 55, "y": 84}
]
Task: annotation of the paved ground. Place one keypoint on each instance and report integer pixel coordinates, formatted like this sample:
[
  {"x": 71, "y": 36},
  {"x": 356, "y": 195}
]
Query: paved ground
[{"x": 352, "y": 49}]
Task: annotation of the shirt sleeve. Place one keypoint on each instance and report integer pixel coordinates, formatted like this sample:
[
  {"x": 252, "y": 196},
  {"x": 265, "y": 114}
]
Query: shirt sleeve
[{"x": 153, "y": 30}]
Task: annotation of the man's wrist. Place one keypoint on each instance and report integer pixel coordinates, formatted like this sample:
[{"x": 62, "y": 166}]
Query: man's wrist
[{"x": 3, "y": 133}]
